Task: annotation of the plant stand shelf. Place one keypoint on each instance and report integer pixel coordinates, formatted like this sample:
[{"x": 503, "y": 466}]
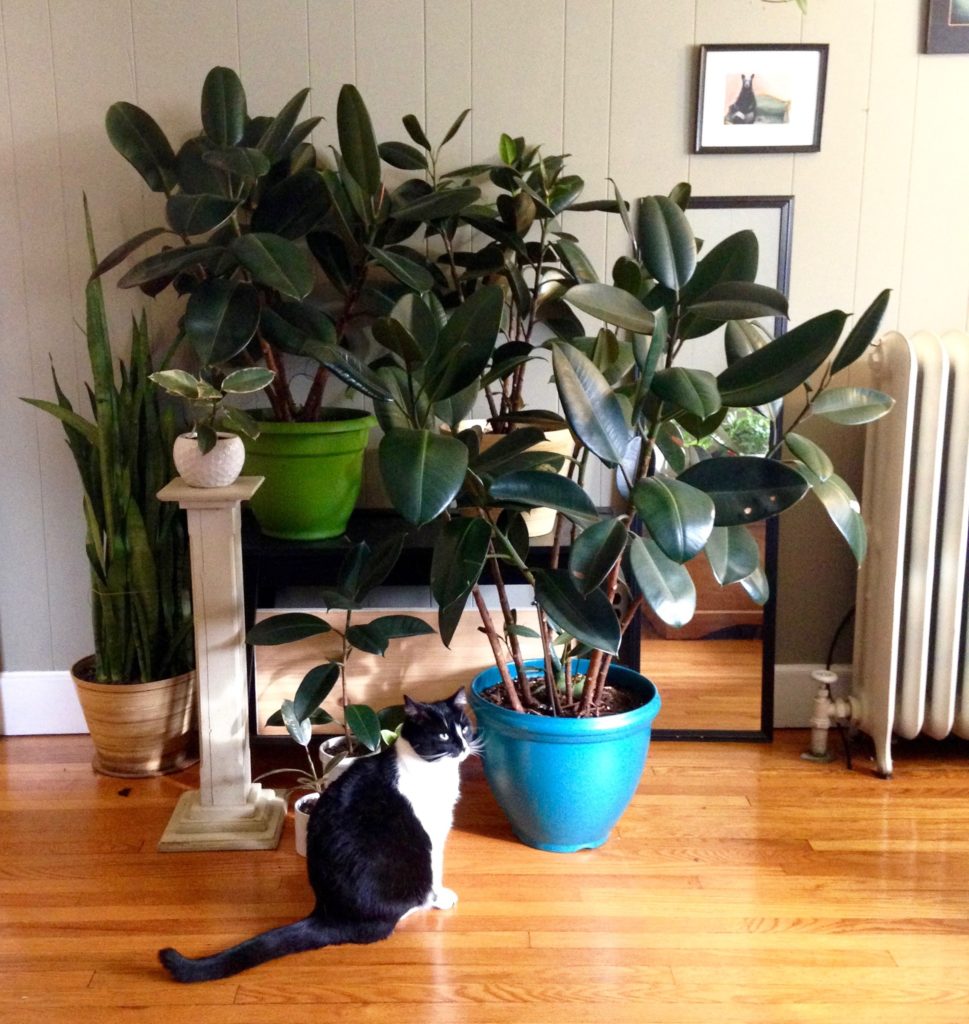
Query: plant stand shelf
[{"x": 228, "y": 811}]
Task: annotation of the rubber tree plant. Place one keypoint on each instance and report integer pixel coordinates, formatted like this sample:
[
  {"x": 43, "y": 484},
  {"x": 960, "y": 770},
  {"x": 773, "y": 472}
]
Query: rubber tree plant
[
  {"x": 363, "y": 568},
  {"x": 137, "y": 546},
  {"x": 664, "y": 428},
  {"x": 254, "y": 221}
]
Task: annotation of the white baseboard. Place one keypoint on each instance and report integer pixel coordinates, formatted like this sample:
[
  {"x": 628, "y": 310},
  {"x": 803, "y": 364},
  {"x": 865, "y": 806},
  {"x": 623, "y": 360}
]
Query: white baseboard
[
  {"x": 39, "y": 703},
  {"x": 794, "y": 692}
]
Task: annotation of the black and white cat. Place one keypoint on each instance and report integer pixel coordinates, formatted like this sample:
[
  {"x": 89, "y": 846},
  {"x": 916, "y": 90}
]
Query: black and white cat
[{"x": 374, "y": 848}]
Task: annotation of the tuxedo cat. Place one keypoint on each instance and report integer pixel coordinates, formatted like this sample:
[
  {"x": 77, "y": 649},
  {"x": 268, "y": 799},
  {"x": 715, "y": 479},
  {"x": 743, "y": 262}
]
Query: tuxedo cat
[{"x": 374, "y": 845}]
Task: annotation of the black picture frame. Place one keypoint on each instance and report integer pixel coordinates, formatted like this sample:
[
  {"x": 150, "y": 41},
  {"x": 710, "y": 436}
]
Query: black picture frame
[
  {"x": 780, "y": 113},
  {"x": 947, "y": 26}
]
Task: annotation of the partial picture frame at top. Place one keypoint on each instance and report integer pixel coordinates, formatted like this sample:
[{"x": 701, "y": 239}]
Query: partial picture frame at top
[
  {"x": 947, "y": 26},
  {"x": 760, "y": 98}
]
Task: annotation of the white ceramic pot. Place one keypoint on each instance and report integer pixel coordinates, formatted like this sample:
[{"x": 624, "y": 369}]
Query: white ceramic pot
[
  {"x": 301, "y": 817},
  {"x": 217, "y": 468}
]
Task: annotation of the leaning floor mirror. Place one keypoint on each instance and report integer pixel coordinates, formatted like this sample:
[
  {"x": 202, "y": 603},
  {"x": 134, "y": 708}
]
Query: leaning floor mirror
[{"x": 716, "y": 674}]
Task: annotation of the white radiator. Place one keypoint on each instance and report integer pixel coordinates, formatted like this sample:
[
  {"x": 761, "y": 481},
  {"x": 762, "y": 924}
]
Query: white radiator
[{"x": 909, "y": 672}]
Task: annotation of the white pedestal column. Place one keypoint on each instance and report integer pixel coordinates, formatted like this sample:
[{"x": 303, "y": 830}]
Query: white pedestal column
[{"x": 228, "y": 811}]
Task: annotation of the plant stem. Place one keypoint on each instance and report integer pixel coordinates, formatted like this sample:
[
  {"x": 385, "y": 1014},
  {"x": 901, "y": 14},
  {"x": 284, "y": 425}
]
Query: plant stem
[{"x": 510, "y": 692}]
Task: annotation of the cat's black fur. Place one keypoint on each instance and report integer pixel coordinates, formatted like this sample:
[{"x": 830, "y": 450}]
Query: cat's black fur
[{"x": 373, "y": 854}]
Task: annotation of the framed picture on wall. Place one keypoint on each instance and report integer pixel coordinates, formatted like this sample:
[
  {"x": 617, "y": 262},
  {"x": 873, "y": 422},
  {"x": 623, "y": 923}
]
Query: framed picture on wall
[
  {"x": 947, "y": 26},
  {"x": 760, "y": 98}
]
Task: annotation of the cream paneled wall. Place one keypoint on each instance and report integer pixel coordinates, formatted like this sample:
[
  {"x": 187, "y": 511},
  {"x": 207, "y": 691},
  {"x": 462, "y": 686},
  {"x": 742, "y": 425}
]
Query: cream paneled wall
[{"x": 609, "y": 81}]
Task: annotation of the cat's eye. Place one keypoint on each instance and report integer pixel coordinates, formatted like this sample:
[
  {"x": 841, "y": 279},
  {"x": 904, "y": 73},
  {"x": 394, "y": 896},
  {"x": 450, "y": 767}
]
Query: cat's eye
[{"x": 443, "y": 736}]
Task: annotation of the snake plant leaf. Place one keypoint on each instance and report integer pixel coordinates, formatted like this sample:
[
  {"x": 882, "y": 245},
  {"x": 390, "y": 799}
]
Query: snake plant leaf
[
  {"x": 137, "y": 137},
  {"x": 357, "y": 144},
  {"x": 223, "y": 106},
  {"x": 197, "y": 215},
  {"x": 276, "y": 134},
  {"x": 299, "y": 729},
  {"x": 364, "y": 724},
  {"x": 611, "y": 304},
  {"x": 666, "y": 586},
  {"x": 315, "y": 687},
  {"x": 402, "y": 156},
  {"x": 243, "y": 162},
  {"x": 422, "y": 472},
  {"x": 852, "y": 406},
  {"x": 285, "y": 628},
  {"x": 843, "y": 509},
  {"x": 862, "y": 333},
  {"x": 220, "y": 319},
  {"x": 781, "y": 365},
  {"x": 811, "y": 454},
  {"x": 692, "y": 390},
  {"x": 733, "y": 554},
  {"x": 745, "y": 488},
  {"x": 678, "y": 517},
  {"x": 169, "y": 262},
  {"x": 407, "y": 271},
  {"x": 274, "y": 262},
  {"x": 590, "y": 618},
  {"x": 439, "y": 204},
  {"x": 294, "y": 206},
  {"x": 595, "y": 551},
  {"x": 68, "y": 417},
  {"x": 734, "y": 259},
  {"x": 374, "y": 637},
  {"x": 667, "y": 246},
  {"x": 459, "y": 558},
  {"x": 539, "y": 488},
  {"x": 591, "y": 407}
]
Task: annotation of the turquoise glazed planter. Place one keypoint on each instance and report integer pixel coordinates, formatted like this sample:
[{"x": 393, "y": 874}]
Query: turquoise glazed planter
[
  {"x": 313, "y": 474},
  {"x": 564, "y": 782}
]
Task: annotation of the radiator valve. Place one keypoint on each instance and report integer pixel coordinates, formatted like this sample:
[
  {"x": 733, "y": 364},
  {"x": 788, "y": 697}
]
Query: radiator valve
[{"x": 827, "y": 711}]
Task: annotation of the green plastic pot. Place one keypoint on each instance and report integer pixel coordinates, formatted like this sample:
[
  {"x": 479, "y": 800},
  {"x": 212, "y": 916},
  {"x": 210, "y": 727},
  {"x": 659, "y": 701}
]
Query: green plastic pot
[{"x": 313, "y": 474}]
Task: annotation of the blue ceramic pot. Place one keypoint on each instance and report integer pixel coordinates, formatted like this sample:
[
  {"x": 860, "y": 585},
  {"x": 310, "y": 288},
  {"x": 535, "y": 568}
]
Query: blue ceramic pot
[{"x": 565, "y": 782}]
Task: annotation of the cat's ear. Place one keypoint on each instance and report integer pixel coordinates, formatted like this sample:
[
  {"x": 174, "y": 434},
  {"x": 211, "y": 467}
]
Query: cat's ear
[
  {"x": 459, "y": 700},
  {"x": 413, "y": 709}
]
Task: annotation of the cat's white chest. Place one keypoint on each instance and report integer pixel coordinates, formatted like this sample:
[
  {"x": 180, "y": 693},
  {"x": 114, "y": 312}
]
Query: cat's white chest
[{"x": 431, "y": 788}]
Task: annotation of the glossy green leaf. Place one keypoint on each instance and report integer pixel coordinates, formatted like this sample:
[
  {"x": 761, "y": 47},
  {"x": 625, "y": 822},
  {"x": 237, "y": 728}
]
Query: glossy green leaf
[
  {"x": 196, "y": 215},
  {"x": 374, "y": 637},
  {"x": 852, "y": 406},
  {"x": 611, "y": 304},
  {"x": 405, "y": 270},
  {"x": 285, "y": 628},
  {"x": 745, "y": 488},
  {"x": 733, "y": 259},
  {"x": 666, "y": 243},
  {"x": 220, "y": 319},
  {"x": 757, "y": 586},
  {"x": 352, "y": 371},
  {"x": 421, "y": 471},
  {"x": 402, "y": 156},
  {"x": 739, "y": 300},
  {"x": 458, "y": 559},
  {"x": 594, "y": 412},
  {"x": 678, "y": 517},
  {"x": 357, "y": 144},
  {"x": 364, "y": 724},
  {"x": 169, "y": 262},
  {"x": 315, "y": 687},
  {"x": 843, "y": 510},
  {"x": 274, "y": 262},
  {"x": 137, "y": 137},
  {"x": 439, "y": 204},
  {"x": 741, "y": 338},
  {"x": 666, "y": 586},
  {"x": 595, "y": 551},
  {"x": 177, "y": 382},
  {"x": 247, "y": 380},
  {"x": 813, "y": 456},
  {"x": 503, "y": 454},
  {"x": 455, "y": 127},
  {"x": 294, "y": 206},
  {"x": 590, "y": 618},
  {"x": 244, "y": 162},
  {"x": 693, "y": 390},
  {"x": 223, "y": 106},
  {"x": 733, "y": 554},
  {"x": 543, "y": 489},
  {"x": 465, "y": 343},
  {"x": 862, "y": 334},
  {"x": 123, "y": 251},
  {"x": 274, "y": 138},
  {"x": 299, "y": 729},
  {"x": 415, "y": 131},
  {"x": 783, "y": 364}
]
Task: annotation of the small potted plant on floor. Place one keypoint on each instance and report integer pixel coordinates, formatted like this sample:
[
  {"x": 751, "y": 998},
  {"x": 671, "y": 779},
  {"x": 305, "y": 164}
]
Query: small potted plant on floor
[
  {"x": 137, "y": 691},
  {"x": 252, "y": 225},
  {"x": 685, "y": 500}
]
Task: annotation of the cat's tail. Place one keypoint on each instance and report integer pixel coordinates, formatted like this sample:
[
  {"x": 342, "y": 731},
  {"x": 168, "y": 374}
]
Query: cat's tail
[{"x": 299, "y": 937}]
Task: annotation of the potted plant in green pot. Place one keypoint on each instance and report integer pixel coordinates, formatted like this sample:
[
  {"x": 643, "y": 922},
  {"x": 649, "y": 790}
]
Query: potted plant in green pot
[
  {"x": 252, "y": 226},
  {"x": 685, "y": 500},
  {"x": 137, "y": 691},
  {"x": 363, "y": 731}
]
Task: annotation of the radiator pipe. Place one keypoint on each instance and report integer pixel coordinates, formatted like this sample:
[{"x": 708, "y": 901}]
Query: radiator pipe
[{"x": 828, "y": 711}]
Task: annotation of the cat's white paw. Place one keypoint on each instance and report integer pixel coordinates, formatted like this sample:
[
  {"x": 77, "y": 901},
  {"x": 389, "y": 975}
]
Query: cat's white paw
[{"x": 443, "y": 898}]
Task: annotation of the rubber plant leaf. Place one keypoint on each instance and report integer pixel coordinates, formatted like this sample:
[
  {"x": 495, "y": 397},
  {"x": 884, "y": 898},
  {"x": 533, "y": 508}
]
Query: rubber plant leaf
[
  {"x": 364, "y": 724},
  {"x": 667, "y": 246},
  {"x": 666, "y": 586},
  {"x": 137, "y": 137},
  {"x": 315, "y": 688},
  {"x": 357, "y": 144},
  {"x": 223, "y": 106},
  {"x": 458, "y": 559},
  {"x": 595, "y": 551},
  {"x": 745, "y": 488},
  {"x": 590, "y": 618},
  {"x": 274, "y": 262},
  {"x": 678, "y": 517},
  {"x": 862, "y": 334},
  {"x": 733, "y": 554},
  {"x": 220, "y": 319},
  {"x": 285, "y": 628},
  {"x": 375, "y": 636},
  {"x": 537, "y": 488},
  {"x": 422, "y": 471}
]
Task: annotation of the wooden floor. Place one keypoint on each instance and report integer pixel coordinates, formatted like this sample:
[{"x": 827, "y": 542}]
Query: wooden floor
[{"x": 744, "y": 884}]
